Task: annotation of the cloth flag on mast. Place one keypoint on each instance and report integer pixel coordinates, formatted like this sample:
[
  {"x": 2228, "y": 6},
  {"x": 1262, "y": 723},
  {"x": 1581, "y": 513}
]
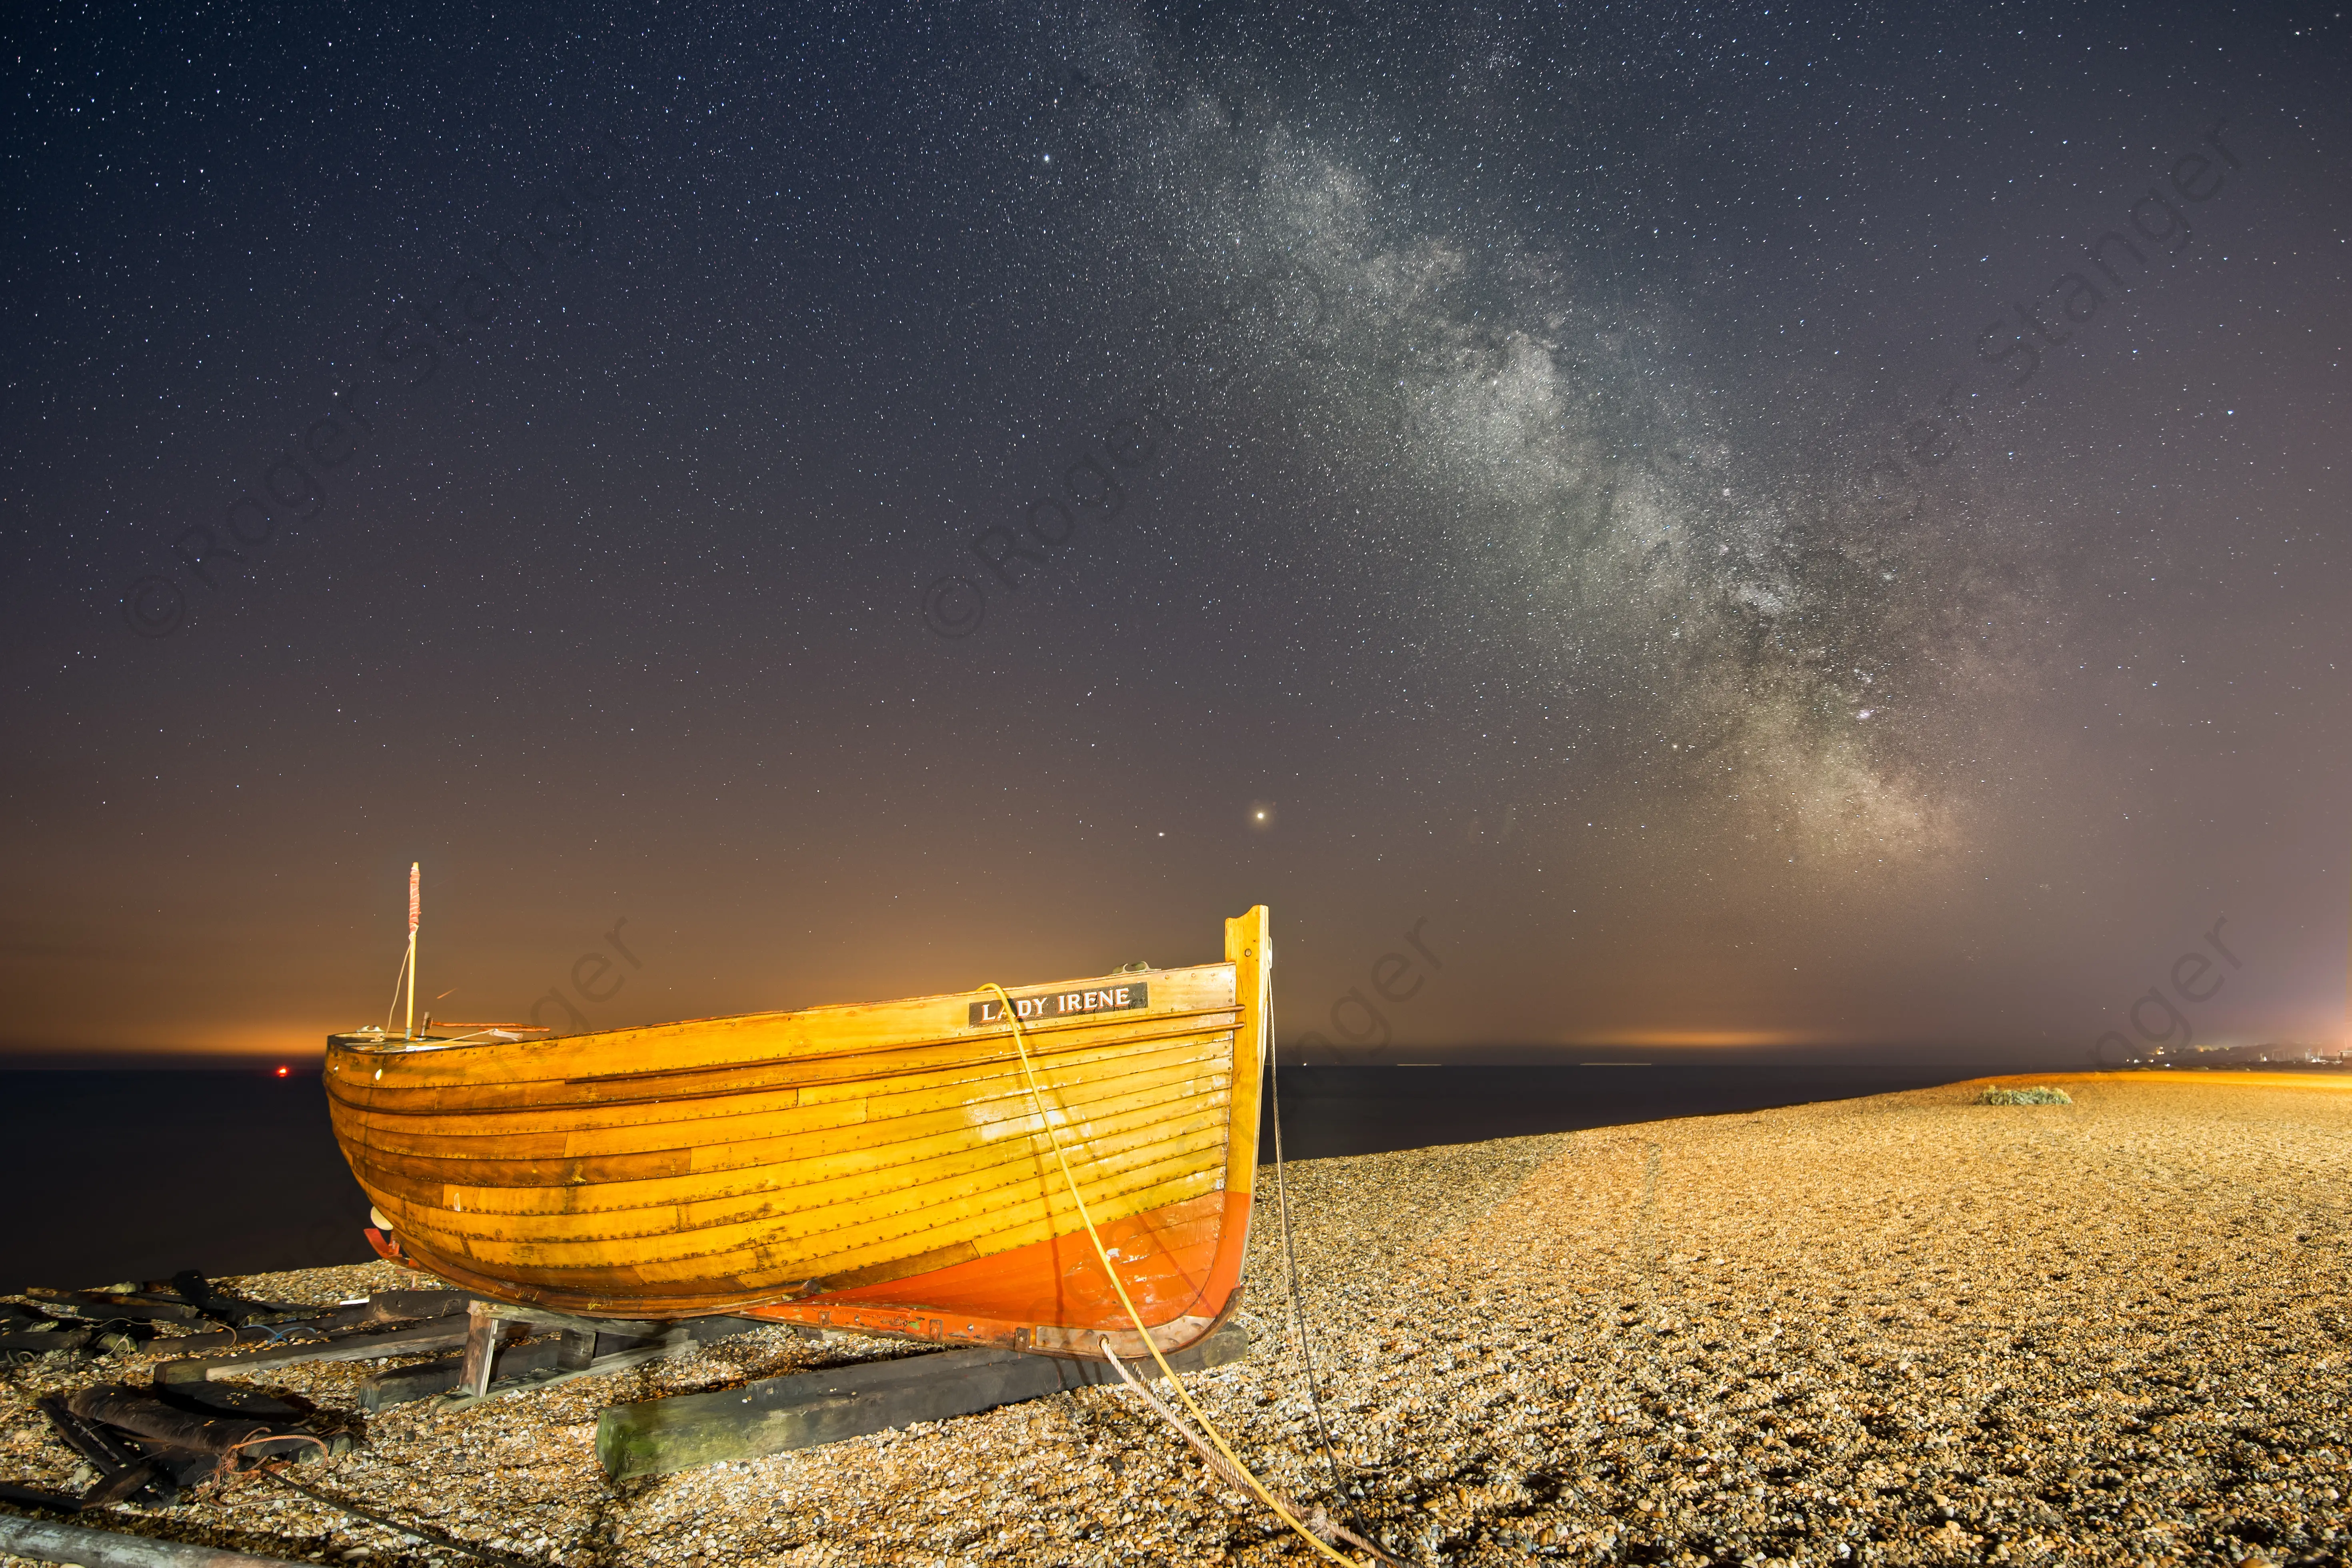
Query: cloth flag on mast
[{"x": 413, "y": 903}]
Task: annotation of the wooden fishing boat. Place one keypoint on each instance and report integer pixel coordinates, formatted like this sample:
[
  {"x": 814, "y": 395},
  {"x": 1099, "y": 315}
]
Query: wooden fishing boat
[{"x": 880, "y": 1167}]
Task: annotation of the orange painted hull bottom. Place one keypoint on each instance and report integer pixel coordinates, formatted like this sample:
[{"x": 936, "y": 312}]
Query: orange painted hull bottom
[{"x": 1181, "y": 1266}]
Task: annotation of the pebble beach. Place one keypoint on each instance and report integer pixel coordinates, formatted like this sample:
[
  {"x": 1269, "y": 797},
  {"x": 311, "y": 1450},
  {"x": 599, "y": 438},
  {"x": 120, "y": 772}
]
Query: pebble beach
[{"x": 1910, "y": 1329}]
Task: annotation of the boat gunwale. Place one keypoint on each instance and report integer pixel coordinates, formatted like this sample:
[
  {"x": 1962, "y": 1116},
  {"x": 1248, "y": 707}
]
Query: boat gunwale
[
  {"x": 358, "y": 1042},
  {"x": 1063, "y": 1027},
  {"x": 963, "y": 1071},
  {"x": 1058, "y": 1047},
  {"x": 1198, "y": 1025}
]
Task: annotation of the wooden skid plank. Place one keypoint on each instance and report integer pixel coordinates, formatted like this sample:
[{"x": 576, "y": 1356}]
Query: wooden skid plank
[
  {"x": 405, "y": 1385},
  {"x": 804, "y": 1409},
  {"x": 529, "y": 1362},
  {"x": 675, "y": 1339},
  {"x": 45, "y": 1542},
  {"x": 416, "y": 1339}
]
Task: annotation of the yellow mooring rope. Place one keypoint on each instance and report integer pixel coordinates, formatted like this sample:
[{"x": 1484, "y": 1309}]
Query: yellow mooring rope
[{"x": 1021, "y": 1044}]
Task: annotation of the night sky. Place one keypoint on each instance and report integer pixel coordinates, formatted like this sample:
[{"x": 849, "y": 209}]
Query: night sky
[{"x": 1682, "y": 523}]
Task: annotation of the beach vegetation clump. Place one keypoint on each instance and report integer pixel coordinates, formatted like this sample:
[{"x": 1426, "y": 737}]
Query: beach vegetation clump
[{"x": 2039, "y": 1094}]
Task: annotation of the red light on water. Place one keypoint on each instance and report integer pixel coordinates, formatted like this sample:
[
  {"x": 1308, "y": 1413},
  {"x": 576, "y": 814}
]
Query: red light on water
[{"x": 283, "y": 1072}]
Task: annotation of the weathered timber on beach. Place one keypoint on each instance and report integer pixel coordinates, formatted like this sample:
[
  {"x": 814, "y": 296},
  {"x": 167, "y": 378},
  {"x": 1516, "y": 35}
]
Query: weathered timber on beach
[
  {"x": 123, "y": 1321},
  {"x": 487, "y": 1319},
  {"x": 386, "y": 1309},
  {"x": 587, "y": 1347},
  {"x": 189, "y": 1299},
  {"x": 41, "y": 1341},
  {"x": 224, "y": 1306},
  {"x": 443, "y": 1333},
  {"x": 154, "y": 1420},
  {"x": 45, "y": 1542},
  {"x": 122, "y": 1470},
  {"x": 582, "y": 1347},
  {"x": 805, "y": 1409},
  {"x": 154, "y": 1444},
  {"x": 128, "y": 1306},
  {"x": 383, "y": 1311},
  {"x": 406, "y": 1384},
  {"x": 392, "y": 1306}
]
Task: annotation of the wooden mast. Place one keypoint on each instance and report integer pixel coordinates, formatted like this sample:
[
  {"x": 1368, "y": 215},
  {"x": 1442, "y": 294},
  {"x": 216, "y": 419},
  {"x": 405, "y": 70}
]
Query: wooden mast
[{"x": 412, "y": 948}]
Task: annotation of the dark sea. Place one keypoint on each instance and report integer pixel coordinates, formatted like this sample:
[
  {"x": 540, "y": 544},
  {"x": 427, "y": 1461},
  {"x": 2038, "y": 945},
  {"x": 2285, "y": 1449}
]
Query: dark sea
[{"x": 107, "y": 1176}]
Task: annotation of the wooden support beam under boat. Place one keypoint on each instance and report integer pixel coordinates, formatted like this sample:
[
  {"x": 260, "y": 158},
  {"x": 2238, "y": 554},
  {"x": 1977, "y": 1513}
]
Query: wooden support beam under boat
[
  {"x": 803, "y": 1410},
  {"x": 560, "y": 1348},
  {"x": 585, "y": 1347},
  {"x": 416, "y": 1338},
  {"x": 41, "y": 1542}
]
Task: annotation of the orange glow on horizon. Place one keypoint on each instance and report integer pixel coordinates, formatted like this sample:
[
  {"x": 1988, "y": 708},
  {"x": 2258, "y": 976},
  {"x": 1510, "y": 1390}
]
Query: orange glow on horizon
[
  {"x": 277, "y": 1044},
  {"x": 1698, "y": 1038}
]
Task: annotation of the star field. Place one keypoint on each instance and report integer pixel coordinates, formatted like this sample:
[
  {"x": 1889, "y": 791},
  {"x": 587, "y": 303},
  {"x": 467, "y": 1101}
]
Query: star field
[{"x": 1826, "y": 524}]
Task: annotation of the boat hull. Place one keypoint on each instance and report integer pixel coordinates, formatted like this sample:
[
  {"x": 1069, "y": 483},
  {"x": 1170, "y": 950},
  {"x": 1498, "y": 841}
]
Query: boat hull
[{"x": 880, "y": 1167}]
